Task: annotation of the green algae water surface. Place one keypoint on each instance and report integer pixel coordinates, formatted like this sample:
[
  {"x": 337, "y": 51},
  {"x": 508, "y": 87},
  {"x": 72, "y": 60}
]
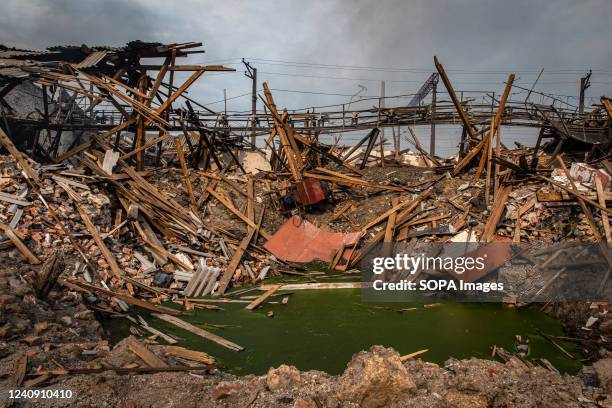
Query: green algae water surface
[{"x": 322, "y": 329}]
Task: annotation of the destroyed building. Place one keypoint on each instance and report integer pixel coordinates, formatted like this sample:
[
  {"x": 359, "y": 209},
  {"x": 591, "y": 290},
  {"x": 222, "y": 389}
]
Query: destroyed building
[{"x": 122, "y": 191}]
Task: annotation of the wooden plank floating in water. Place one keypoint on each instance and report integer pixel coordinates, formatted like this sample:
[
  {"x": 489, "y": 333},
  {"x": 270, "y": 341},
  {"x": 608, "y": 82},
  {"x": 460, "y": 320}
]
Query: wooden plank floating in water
[
  {"x": 312, "y": 286},
  {"x": 263, "y": 297},
  {"x": 145, "y": 354},
  {"x": 412, "y": 355},
  {"x": 126, "y": 298},
  {"x": 192, "y": 355},
  {"x": 200, "y": 332},
  {"x": 158, "y": 333},
  {"x": 214, "y": 300}
]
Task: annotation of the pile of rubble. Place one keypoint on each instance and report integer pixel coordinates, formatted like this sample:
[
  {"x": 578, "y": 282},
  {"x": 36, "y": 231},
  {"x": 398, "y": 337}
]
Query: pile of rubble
[{"x": 122, "y": 225}]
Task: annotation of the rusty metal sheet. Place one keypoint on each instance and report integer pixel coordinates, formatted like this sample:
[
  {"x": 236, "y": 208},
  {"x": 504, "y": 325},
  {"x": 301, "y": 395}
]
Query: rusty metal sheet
[{"x": 298, "y": 240}]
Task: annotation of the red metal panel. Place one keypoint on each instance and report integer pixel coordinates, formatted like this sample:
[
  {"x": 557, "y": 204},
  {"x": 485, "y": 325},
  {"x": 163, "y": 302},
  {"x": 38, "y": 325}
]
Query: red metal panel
[
  {"x": 309, "y": 191},
  {"x": 300, "y": 241}
]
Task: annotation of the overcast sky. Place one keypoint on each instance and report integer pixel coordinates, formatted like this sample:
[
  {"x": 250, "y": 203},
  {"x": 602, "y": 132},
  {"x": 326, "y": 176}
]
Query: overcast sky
[{"x": 479, "y": 41}]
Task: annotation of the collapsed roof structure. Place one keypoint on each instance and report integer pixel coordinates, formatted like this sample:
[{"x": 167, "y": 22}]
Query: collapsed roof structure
[{"x": 112, "y": 161}]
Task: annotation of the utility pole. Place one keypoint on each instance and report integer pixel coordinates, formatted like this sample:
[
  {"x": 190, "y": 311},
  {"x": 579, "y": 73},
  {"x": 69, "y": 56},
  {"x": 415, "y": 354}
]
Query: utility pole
[
  {"x": 225, "y": 101},
  {"x": 432, "y": 140},
  {"x": 585, "y": 83},
  {"x": 252, "y": 73},
  {"x": 381, "y": 105}
]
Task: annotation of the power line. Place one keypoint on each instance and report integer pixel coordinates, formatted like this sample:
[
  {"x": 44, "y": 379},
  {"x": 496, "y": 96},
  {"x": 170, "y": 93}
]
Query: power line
[
  {"x": 227, "y": 99},
  {"x": 415, "y": 81},
  {"x": 341, "y": 78},
  {"x": 317, "y": 93},
  {"x": 264, "y": 61}
]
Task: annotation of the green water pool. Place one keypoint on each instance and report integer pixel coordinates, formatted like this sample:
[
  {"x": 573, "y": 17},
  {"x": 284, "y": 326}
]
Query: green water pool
[{"x": 322, "y": 329}]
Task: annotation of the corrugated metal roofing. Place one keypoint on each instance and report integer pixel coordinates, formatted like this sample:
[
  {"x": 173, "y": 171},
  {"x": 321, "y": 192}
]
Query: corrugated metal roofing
[{"x": 92, "y": 59}]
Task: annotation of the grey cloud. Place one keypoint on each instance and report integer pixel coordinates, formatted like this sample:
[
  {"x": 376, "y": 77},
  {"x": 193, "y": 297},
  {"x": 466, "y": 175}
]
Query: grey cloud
[
  {"x": 39, "y": 23},
  {"x": 498, "y": 36}
]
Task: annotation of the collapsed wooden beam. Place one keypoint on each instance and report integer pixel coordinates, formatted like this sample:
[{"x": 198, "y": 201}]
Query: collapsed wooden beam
[
  {"x": 198, "y": 331},
  {"x": 449, "y": 88},
  {"x": 292, "y": 153},
  {"x": 25, "y": 251},
  {"x": 23, "y": 163},
  {"x": 253, "y": 305},
  {"x": 186, "y": 176},
  {"x": 110, "y": 258},
  {"x": 499, "y": 205}
]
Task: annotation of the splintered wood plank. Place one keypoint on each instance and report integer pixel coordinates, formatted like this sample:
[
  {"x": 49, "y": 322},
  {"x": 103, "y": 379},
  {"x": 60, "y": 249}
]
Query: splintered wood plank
[
  {"x": 413, "y": 355},
  {"x": 13, "y": 199},
  {"x": 127, "y": 298},
  {"x": 145, "y": 146},
  {"x": 466, "y": 122},
  {"x": 158, "y": 80},
  {"x": 48, "y": 274},
  {"x": 345, "y": 208},
  {"x": 483, "y": 158},
  {"x": 396, "y": 206},
  {"x": 8, "y": 145},
  {"x": 292, "y": 153},
  {"x": 25, "y": 251},
  {"x": 197, "y": 331},
  {"x": 250, "y": 211},
  {"x": 160, "y": 334},
  {"x": 177, "y": 93},
  {"x": 344, "y": 163},
  {"x": 353, "y": 182},
  {"x": 238, "y": 254},
  {"x": 212, "y": 184},
  {"x": 244, "y": 244},
  {"x": 604, "y": 215},
  {"x": 181, "y": 157},
  {"x": 263, "y": 297},
  {"x": 468, "y": 158},
  {"x": 516, "y": 238},
  {"x": 402, "y": 217},
  {"x": 72, "y": 152},
  {"x": 496, "y": 212},
  {"x": 526, "y": 207},
  {"x": 110, "y": 258},
  {"x": 390, "y": 227},
  {"x": 237, "y": 213},
  {"x": 148, "y": 236},
  {"x": 495, "y": 124},
  {"x": 144, "y": 353},
  {"x": 318, "y": 285},
  {"x": 110, "y": 160},
  {"x": 192, "y": 355},
  {"x": 21, "y": 367}
]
